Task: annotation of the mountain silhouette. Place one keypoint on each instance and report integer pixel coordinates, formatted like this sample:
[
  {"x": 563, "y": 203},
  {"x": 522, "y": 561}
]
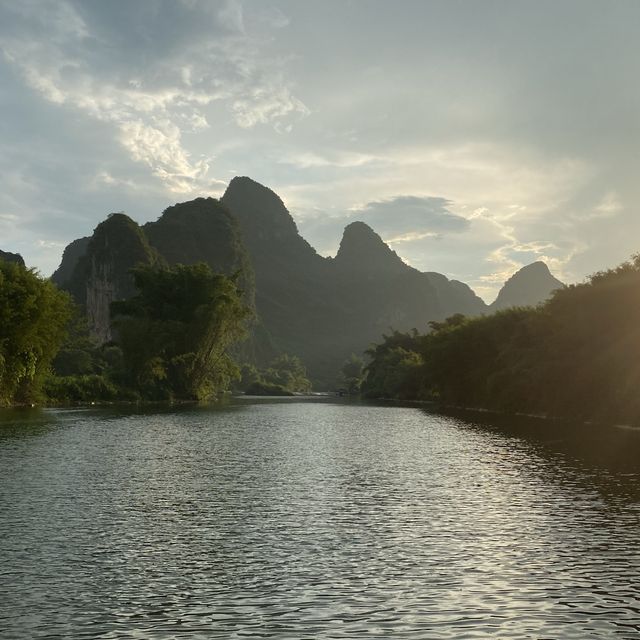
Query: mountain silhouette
[
  {"x": 320, "y": 309},
  {"x": 529, "y": 286}
]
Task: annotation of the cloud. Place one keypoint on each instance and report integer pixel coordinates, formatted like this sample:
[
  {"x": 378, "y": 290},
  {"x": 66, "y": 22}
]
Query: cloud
[
  {"x": 132, "y": 105},
  {"x": 608, "y": 207},
  {"x": 340, "y": 160},
  {"x": 410, "y": 218},
  {"x": 74, "y": 55}
]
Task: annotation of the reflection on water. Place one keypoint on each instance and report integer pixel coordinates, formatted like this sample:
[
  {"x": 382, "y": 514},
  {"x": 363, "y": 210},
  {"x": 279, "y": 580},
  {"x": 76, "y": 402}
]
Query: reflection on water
[{"x": 293, "y": 519}]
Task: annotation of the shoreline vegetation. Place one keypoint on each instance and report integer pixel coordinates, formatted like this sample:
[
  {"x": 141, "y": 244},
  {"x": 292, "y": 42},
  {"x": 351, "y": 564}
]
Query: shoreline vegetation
[
  {"x": 574, "y": 357},
  {"x": 179, "y": 340}
]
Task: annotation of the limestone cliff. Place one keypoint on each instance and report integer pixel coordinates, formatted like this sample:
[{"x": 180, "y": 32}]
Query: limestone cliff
[
  {"x": 295, "y": 290},
  {"x": 103, "y": 273},
  {"x": 73, "y": 252},
  {"x": 323, "y": 309}
]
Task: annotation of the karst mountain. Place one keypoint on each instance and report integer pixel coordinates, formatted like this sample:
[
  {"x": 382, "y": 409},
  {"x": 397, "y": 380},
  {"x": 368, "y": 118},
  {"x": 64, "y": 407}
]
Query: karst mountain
[{"x": 320, "y": 309}]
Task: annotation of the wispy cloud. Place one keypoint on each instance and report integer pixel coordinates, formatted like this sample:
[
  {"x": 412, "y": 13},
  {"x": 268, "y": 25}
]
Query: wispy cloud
[
  {"x": 513, "y": 150},
  {"x": 152, "y": 108}
]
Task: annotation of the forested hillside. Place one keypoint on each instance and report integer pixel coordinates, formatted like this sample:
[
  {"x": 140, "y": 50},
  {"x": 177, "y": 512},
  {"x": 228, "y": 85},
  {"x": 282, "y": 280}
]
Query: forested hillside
[{"x": 574, "y": 356}]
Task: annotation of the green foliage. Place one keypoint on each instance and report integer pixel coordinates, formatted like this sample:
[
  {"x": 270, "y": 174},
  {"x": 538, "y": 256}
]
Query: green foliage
[
  {"x": 203, "y": 230},
  {"x": 575, "y": 356},
  {"x": 83, "y": 388},
  {"x": 85, "y": 371},
  {"x": 260, "y": 388},
  {"x": 289, "y": 373},
  {"x": 175, "y": 333},
  {"x": 352, "y": 373},
  {"x": 33, "y": 318},
  {"x": 79, "y": 354},
  {"x": 285, "y": 375},
  {"x": 391, "y": 362},
  {"x": 395, "y": 370}
]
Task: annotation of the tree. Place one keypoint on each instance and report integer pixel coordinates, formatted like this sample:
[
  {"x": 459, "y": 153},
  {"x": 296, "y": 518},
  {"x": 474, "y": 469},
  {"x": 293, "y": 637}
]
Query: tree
[
  {"x": 287, "y": 372},
  {"x": 574, "y": 356},
  {"x": 33, "y": 319},
  {"x": 176, "y": 332},
  {"x": 352, "y": 372}
]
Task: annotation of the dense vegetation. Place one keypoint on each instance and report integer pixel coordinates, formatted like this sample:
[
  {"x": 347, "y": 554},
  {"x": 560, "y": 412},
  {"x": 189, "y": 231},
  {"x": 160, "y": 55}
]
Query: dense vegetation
[
  {"x": 178, "y": 336},
  {"x": 176, "y": 332},
  {"x": 172, "y": 341},
  {"x": 576, "y": 355},
  {"x": 203, "y": 230},
  {"x": 284, "y": 376},
  {"x": 33, "y": 320},
  {"x": 85, "y": 371},
  {"x": 351, "y": 374}
]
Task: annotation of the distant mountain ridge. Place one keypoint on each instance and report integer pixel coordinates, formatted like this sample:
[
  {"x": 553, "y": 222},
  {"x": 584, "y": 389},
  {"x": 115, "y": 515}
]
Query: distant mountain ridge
[
  {"x": 321, "y": 309},
  {"x": 527, "y": 287}
]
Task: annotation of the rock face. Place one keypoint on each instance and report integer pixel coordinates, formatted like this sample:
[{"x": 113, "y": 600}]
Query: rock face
[
  {"x": 529, "y": 286},
  {"x": 73, "y": 252},
  {"x": 12, "y": 257},
  {"x": 96, "y": 270},
  {"x": 453, "y": 294},
  {"x": 381, "y": 292},
  {"x": 270, "y": 233},
  {"x": 102, "y": 273},
  {"x": 363, "y": 253}
]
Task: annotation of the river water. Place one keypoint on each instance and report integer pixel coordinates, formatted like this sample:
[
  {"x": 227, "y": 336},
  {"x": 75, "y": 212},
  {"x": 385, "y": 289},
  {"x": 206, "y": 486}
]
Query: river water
[{"x": 315, "y": 519}]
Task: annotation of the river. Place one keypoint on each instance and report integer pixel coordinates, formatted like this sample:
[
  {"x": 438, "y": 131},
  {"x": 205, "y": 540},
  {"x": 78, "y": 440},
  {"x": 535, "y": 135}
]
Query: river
[{"x": 315, "y": 519}]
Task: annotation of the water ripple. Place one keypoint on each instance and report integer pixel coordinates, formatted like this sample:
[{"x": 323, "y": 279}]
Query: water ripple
[{"x": 314, "y": 520}]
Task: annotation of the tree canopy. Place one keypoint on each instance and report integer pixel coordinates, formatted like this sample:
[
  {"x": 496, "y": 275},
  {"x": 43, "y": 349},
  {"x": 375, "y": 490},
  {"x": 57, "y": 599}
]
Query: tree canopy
[
  {"x": 176, "y": 331},
  {"x": 33, "y": 319},
  {"x": 576, "y": 355}
]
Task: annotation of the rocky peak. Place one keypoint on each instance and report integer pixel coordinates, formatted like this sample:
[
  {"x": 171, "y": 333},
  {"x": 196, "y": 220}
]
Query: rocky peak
[
  {"x": 119, "y": 237},
  {"x": 269, "y": 231},
  {"x": 529, "y": 286},
  {"x": 260, "y": 211},
  {"x": 7, "y": 256},
  {"x": 202, "y": 230},
  {"x": 362, "y": 249},
  {"x": 457, "y": 295}
]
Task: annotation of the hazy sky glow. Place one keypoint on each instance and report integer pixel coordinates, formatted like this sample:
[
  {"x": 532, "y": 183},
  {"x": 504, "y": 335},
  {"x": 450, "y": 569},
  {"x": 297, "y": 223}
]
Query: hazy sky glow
[{"x": 475, "y": 137}]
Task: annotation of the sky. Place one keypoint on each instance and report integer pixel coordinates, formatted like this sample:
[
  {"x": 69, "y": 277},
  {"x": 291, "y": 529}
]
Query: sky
[{"x": 475, "y": 137}]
